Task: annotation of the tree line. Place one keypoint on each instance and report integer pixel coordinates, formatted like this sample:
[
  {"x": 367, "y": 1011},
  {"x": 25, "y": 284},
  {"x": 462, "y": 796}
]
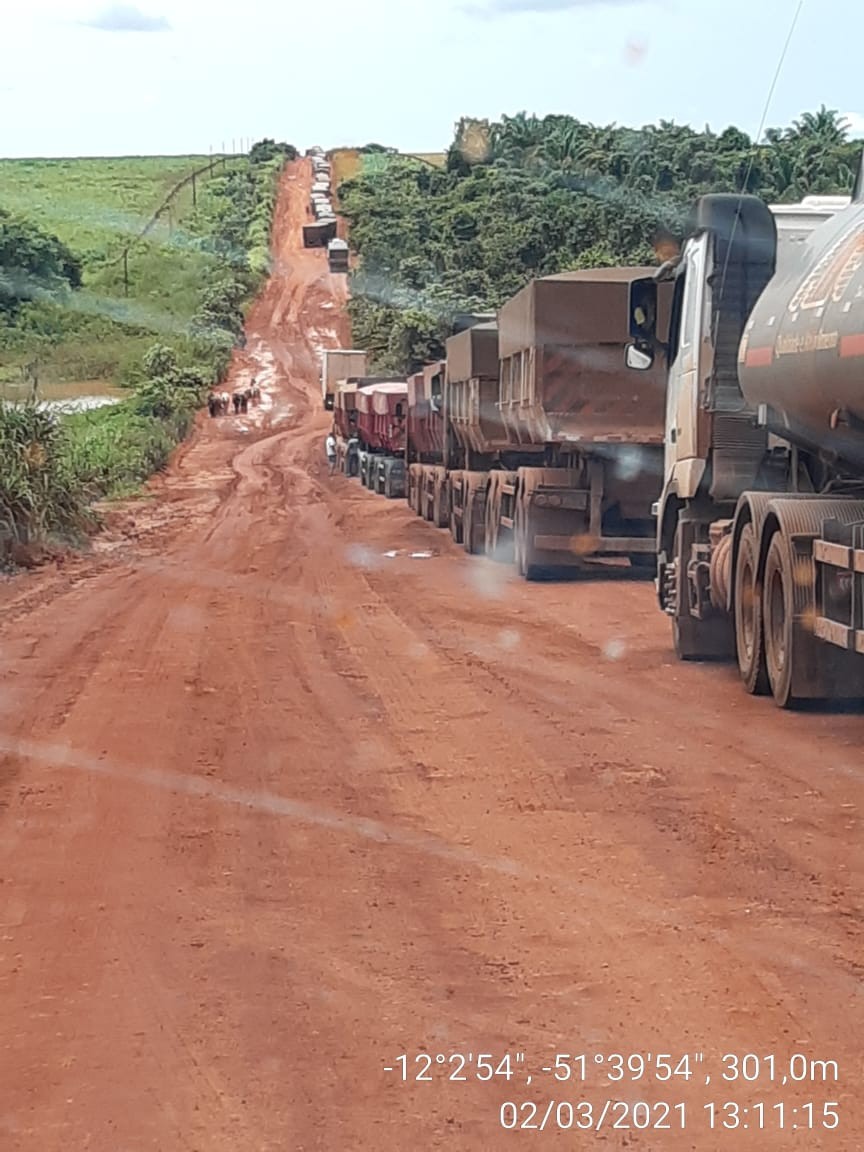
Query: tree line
[{"x": 527, "y": 196}]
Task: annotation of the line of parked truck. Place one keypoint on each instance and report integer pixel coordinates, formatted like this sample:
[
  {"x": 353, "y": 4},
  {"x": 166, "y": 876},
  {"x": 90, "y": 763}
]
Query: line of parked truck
[
  {"x": 703, "y": 421},
  {"x": 321, "y": 232}
]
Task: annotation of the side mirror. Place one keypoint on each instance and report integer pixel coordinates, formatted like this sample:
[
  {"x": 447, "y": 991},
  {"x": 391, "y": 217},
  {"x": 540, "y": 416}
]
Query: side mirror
[
  {"x": 638, "y": 358},
  {"x": 642, "y": 306}
]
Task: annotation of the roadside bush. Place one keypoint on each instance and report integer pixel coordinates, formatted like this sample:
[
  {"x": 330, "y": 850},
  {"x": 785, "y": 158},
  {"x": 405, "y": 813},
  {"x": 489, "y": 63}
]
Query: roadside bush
[
  {"x": 41, "y": 495},
  {"x": 33, "y": 264}
]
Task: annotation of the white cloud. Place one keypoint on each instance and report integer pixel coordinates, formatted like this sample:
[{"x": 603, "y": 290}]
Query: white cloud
[
  {"x": 855, "y": 120},
  {"x": 126, "y": 18},
  {"x": 510, "y": 7}
]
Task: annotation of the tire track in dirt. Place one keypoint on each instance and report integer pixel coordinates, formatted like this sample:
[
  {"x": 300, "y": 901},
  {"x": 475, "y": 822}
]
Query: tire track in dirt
[{"x": 283, "y": 808}]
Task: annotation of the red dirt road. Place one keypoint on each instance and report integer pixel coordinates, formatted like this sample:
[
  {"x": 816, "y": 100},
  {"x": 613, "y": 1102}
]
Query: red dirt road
[{"x": 277, "y": 807}]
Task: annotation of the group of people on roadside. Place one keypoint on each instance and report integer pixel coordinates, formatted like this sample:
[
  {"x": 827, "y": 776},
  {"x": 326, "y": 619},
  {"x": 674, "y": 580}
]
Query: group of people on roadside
[
  {"x": 352, "y": 455},
  {"x": 219, "y": 403}
]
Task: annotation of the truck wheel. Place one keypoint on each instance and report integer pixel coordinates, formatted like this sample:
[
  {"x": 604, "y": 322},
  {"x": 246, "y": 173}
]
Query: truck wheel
[
  {"x": 779, "y": 621},
  {"x": 474, "y": 521},
  {"x": 695, "y": 639},
  {"x": 749, "y": 638},
  {"x": 523, "y": 550},
  {"x": 440, "y": 509},
  {"x": 455, "y": 525}
]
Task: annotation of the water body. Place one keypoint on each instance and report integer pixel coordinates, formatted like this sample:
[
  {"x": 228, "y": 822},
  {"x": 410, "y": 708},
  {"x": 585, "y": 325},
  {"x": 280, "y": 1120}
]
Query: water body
[{"x": 83, "y": 396}]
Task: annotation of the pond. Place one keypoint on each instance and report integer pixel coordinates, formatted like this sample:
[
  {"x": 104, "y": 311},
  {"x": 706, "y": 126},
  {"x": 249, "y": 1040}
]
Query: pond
[{"x": 82, "y": 396}]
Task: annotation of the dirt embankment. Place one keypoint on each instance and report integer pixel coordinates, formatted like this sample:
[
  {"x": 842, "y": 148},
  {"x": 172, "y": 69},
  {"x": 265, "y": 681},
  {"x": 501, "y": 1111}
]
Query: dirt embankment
[{"x": 277, "y": 807}]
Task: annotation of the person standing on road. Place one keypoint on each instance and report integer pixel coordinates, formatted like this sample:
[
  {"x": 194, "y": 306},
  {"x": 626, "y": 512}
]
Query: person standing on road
[{"x": 330, "y": 448}]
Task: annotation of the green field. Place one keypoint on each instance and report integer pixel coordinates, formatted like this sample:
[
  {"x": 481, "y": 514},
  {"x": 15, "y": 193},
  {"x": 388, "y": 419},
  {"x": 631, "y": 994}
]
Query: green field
[{"x": 98, "y": 207}]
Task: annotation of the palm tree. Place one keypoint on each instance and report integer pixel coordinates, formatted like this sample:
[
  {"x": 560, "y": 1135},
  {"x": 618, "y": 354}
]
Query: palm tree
[{"x": 826, "y": 126}]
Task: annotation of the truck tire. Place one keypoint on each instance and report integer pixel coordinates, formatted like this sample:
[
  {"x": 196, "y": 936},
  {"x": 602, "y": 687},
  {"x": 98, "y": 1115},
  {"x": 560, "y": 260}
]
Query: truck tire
[
  {"x": 440, "y": 500},
  {"x": 416, "y": 490},
  {"x": 749, "y": 636},
  {"x": 490, "y": 528},
  {"x": 778, "y": 615},
  {"x": 455, "y": 524},
  {"x": 523, "y": 549},
  {"x": 500, "y": 548},
  {"x": 694, "y": 639},
  {"x": 474, "y": 521}
]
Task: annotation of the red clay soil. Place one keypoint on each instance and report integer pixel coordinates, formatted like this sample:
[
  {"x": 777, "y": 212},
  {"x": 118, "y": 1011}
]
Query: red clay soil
[{"x": 290, "y": 787}]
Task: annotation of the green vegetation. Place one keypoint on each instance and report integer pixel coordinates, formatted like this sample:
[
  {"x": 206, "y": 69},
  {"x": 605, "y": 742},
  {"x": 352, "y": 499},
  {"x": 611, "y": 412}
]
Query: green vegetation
[
  {"x": 526, "y": 197},
  {"x": 64, "y": 314}
]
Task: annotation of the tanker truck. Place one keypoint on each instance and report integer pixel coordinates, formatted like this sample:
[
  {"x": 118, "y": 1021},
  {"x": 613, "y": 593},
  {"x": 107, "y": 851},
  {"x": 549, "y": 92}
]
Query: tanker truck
[
  {"x": 760, "y": 521},
  {"x": 550, "y": 451}
]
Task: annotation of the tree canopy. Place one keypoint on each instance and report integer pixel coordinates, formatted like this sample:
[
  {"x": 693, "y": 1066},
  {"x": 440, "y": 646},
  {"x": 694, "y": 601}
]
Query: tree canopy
[
  {"x": 32, "y": 262},
  {"x": 527, "y": 196}
]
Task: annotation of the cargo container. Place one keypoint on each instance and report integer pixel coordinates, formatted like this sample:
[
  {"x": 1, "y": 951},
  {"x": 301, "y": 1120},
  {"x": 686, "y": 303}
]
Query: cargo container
[
  {"x": 381, "y": 421},
  {"x": 337, "y": 256},
  {"x": 319, "y": 234},
  {"x": 345, "y": 420},
  {"x": 339, "y": 364}
]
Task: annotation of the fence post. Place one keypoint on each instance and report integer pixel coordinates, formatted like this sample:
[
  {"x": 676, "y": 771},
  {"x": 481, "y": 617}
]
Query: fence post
[{"x": 125, "y": 271}]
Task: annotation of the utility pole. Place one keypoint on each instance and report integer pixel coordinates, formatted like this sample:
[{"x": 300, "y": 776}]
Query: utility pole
[{"x": 194, "y": 192}]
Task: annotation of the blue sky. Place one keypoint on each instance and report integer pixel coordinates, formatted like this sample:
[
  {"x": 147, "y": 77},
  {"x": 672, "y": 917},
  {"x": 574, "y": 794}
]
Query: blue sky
[{"x": 94, "y": 77}]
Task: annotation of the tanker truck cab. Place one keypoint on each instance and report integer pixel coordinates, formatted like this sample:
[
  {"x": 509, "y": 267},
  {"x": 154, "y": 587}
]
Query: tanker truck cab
[
  {"x": 687, "y": 355},
  {"x": 760, "y": 522},
  {"x": 714, "y": 448}
]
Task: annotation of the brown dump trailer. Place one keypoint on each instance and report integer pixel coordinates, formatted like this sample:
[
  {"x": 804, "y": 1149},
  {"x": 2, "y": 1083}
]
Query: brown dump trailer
[
  {"x": 533, "y": 441},
  {"x": 474, "y": 435},
  {"x": 424, "y": 443},
  {"x": 584, "y": 447},
  {"x": 319, "y": 234}
]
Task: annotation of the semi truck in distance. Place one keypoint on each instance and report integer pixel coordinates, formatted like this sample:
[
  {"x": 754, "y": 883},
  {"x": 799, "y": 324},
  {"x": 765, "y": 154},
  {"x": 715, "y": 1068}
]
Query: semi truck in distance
[
  {"x": 337, "y": 256},
  {"x": 381, "y": 418},
  {"x": 345, "y": 421},
  {"x": 339, "y": 364},
  {"x": 320, "y": 233},
  {"x": 760, "y": 521}
]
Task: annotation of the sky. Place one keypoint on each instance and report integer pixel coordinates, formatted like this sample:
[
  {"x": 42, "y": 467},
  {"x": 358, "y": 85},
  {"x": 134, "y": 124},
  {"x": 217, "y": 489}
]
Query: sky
[{"x": 95, "y": 77}]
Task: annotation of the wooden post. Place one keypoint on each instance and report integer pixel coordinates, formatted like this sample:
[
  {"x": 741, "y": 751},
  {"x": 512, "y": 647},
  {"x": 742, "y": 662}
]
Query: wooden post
[
  {"x": 125, "y": 271},
  {"x": 194, "y": 192}
]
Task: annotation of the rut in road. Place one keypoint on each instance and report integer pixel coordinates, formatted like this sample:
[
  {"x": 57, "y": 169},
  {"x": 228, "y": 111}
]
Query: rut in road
[{"x": 276, "y": 807}]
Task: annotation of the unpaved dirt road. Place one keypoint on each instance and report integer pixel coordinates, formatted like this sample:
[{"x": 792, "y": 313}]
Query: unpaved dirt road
[{"x": 277, "y": 807}]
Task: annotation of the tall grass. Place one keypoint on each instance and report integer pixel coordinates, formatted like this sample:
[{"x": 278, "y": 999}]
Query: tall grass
[
  {"x": 113, "y": 450},
  {"x": 41, "y": 495}
]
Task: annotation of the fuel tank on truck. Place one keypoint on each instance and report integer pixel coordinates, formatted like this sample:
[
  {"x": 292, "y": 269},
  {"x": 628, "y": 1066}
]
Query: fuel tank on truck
[{"x": 802, "y": 352}]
